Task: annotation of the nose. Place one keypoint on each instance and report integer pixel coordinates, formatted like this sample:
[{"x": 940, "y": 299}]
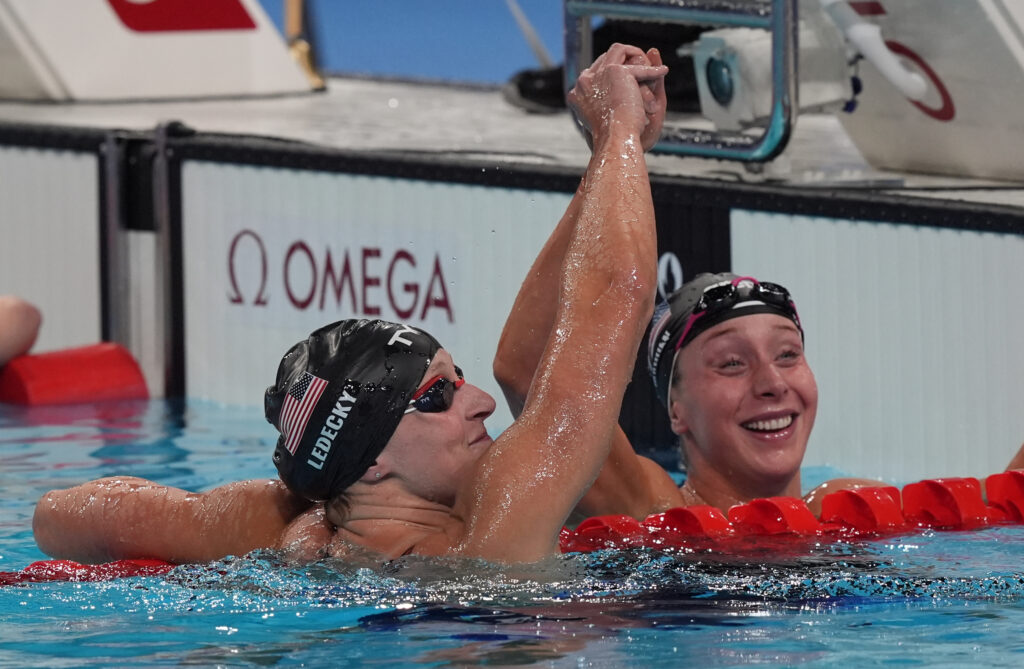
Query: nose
[
  {"x": 769, "y": 381},
  {"x": 477, "y": 403}
]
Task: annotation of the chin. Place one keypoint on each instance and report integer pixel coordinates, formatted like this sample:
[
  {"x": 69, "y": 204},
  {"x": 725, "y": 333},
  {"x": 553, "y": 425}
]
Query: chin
[
  {"x": 779, "y": 475},
  {"x": 778, "y": 467}
]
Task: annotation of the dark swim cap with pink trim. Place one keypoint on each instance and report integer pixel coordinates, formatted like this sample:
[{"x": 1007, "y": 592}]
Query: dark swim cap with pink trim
[
  {"x": 725, "y": 296},
  {"x": 339, "y": 397}
]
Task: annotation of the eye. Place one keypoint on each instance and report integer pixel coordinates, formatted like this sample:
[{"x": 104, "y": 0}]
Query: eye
[
  {"x": 730, "y": 363},
  {"x": 790, "y": 356}
]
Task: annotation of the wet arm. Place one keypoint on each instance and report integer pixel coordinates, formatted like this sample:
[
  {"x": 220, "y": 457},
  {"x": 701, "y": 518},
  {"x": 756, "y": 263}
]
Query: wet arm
[
  {"x": 627, "y": 483},
  {"x": 123, "y": 518},
  {"x": 538, "y": 470},
  {"x": 532, "y": 316},
  {"x": 529, "y": 323}
]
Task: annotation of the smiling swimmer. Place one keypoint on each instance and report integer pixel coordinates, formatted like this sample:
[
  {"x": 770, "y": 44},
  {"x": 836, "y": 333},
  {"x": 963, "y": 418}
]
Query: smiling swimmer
[{"x": 726, "y": 355}]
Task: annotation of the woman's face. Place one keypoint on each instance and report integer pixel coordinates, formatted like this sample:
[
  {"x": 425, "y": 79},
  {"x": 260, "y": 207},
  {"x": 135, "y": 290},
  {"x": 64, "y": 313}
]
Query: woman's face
[
  {"x": 744, "y": 401},
  {"x": 435, "y": 453}
]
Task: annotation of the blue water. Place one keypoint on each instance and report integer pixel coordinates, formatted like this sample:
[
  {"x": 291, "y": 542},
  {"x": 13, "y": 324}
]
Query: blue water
[{"x": 921, "y": 599}]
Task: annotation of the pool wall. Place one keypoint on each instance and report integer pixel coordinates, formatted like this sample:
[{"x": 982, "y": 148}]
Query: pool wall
[
  {"x": 50, "y": 204},
  {"x": 208, "y": 255}
]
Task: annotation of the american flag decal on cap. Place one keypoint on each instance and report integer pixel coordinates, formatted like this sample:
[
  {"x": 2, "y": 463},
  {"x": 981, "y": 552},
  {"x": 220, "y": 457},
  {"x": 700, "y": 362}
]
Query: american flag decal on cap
[{"x": 298, "y": 406}]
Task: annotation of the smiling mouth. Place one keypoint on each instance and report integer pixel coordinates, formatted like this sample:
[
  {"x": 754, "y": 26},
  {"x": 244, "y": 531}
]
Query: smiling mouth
[{"x": 772, "y": 425}]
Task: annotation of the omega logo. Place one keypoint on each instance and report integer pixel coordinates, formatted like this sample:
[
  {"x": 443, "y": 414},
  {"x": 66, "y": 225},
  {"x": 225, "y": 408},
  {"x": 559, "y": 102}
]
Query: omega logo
[
  {"x": 360, "y": 280},
  {"x": 670, "y": 273}
]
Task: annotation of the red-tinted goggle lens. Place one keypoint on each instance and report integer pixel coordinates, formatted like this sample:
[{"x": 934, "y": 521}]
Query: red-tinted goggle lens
[{"x": 436, "y": 395}]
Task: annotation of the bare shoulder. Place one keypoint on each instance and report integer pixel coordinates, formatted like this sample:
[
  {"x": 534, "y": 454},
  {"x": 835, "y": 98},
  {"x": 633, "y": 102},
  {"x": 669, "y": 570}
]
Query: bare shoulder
[
  {"x": 274, "y": 492},
  {"x": 814, "y": 497},
  {"x": 307, "y": 536},
  {"x": 1017, "y": 462},
  {"x": 661, "y": 484}
]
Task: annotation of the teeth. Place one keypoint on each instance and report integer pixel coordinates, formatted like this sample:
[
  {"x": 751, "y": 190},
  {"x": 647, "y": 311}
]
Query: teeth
[{"x": 769, "y": 425}]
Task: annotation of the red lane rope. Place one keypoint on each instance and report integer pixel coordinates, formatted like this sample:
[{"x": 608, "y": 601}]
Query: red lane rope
[
  {"x": 105, "y": 371},
  {"x": 66, "y": 570},
  {"x": 941, "y": 504}
]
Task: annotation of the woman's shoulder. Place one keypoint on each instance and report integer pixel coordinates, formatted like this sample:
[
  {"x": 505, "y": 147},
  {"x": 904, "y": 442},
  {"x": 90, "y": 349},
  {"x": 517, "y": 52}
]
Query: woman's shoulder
[{"x": 814, "y": 497}]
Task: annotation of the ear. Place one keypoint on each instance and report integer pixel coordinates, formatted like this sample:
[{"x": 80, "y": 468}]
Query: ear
[
  {"x": 677, "y": 416},
  {"x": 378, "y": 471}
]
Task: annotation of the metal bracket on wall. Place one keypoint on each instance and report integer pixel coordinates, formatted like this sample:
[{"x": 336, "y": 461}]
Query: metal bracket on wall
[
  {"x": 777, "y": 16},
  {"x": 126, "y": 196}
]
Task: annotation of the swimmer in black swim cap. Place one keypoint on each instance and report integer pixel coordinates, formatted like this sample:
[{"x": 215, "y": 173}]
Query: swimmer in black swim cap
[
  {"x": 702, "y": 303},
  {"x": 380, "y": 413},
  {"x": 726, "y": 356},
  {"x": 338, "y": 398}
]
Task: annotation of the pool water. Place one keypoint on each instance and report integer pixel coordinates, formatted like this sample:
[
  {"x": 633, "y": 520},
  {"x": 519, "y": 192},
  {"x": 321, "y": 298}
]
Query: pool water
[{"x": 919, "y": 599}]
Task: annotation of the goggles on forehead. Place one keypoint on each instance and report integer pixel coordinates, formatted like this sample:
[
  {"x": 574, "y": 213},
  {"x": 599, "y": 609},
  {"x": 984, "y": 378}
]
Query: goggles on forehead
[
  {"x": 436, "y": 395},
  {"x": 726, "y": 295}
]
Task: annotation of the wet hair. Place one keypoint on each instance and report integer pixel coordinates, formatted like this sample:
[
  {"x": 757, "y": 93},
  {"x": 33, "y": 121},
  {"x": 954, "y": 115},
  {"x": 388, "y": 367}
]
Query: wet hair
[{"x": 338, "y": 398}]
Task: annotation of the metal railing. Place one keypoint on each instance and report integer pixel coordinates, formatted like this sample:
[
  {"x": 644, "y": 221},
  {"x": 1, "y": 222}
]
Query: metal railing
[{"x": 777, "y": 16}]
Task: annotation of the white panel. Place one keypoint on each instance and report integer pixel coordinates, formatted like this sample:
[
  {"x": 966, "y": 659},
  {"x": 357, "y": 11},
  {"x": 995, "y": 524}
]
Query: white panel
[
  {"x": 49, "y": 241},
  {"x": 145, "y": 309},
  {"x": 481, "y": 239},
  {"x": 125, "y": 49},
  {"x": 966, "y": 125},
  {"x": 914, "y": 336}
]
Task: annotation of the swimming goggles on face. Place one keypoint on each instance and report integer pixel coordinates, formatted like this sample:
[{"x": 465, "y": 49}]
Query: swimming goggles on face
[
  {"x": 722, "y": 296},
  {"x": 436, "y": 395}
]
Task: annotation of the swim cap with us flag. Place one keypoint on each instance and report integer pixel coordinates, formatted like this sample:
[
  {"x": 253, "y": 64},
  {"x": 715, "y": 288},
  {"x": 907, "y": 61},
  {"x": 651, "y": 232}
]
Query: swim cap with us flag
[{"x": 338, "y": 398}]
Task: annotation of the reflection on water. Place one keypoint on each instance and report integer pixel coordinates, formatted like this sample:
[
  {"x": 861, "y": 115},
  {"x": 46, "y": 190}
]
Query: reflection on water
[{"x": 831, "y": 604}]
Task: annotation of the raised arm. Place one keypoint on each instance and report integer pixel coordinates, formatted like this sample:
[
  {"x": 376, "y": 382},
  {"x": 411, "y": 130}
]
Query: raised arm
[
  {"x": 123, "y": 518},
  {"x": 628, "y": 483},
  {"x": 532, "y": 316},
  {"x": 536, "y": 472}
]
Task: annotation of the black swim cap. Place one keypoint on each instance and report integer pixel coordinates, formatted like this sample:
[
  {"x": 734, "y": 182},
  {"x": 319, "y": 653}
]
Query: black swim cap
[
  {"x": 338, "y": 399},
  {"x": 725, "y": 296}
]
